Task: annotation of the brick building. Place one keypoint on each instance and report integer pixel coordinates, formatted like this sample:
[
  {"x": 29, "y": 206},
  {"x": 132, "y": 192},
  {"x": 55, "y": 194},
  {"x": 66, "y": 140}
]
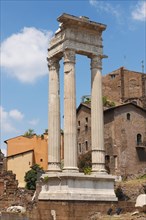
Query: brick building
[
  {"x": 123, "y": 85},
  {"x": 124, "y": 136}
]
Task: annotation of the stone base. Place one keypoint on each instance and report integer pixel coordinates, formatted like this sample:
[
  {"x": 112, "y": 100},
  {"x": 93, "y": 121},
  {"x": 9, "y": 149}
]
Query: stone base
[{"x": 77, "y": 186}]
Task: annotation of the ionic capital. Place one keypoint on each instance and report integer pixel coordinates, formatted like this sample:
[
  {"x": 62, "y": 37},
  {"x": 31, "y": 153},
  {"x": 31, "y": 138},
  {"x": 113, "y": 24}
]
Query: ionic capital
[
  {"x": 53, "y": 63},
  {"x": 69, "y": 56}
]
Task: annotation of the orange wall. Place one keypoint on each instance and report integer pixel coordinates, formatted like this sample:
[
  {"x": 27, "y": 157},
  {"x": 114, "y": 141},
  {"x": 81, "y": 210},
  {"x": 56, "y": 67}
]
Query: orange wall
[{"x": 36, "y": 143}]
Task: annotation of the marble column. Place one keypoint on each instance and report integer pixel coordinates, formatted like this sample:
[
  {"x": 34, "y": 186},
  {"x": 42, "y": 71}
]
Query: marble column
[
  {"x": 70, "y": 139},
  {"x": 97, "y": 124},
  {"x": 54, "y": 116}
]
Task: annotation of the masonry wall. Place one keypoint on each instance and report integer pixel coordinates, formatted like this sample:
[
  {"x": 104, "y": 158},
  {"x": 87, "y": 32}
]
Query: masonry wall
[
  {"x": 131, "y": 159},
  {"x": 84, "y": 130},
  {"x": 123, "y": 85},
  {"x": 122, "y": 155}
]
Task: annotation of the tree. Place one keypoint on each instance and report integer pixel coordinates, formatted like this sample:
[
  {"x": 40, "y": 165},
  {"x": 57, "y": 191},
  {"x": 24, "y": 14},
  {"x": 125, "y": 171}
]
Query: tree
[
  {"x": 31, "y": 176},
  {"x": 29, "y": 133},
  {"x": 84, "y": 162}
]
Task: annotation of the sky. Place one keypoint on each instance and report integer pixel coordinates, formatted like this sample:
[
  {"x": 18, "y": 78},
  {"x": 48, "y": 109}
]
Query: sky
[{"x": 26, "y": 28}]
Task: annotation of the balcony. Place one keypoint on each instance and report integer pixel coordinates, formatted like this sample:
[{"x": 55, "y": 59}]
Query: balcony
[{"x": 141, "y": 145}]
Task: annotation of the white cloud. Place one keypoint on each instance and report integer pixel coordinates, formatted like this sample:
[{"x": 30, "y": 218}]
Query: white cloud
[
  {"x": 34, "y": 122},
  {"x": 6, "y": 124},
  {"x": 4, "y": 151},
  {"x": 15, "y": 114},
  {"x": 139, "y": 12},
  {"x": 7, "y": 119},
  {"x": 103, "y": 6},
  {"x": 23, "y": 55}
]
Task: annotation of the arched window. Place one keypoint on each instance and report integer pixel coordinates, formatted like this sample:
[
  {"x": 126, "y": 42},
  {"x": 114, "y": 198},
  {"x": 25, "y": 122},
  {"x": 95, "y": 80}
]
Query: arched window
[
  {"x": 139, "y": 139},
  {"x": 128, "y": 116},
  {"x": 86, "y": 145}
]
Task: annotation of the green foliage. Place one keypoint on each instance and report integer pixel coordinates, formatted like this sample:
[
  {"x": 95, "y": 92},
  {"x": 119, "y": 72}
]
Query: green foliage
[
  {"x": 107, "y": 103},
  {"x": 87, "y": 100},
  {"x": 46, "y": 131},
  {"x": 29, "y": 133},
  {"x": 112, "y": 104},
  {"x": 46, "y": 179},
  {"x": 142, "y": 177},
  {"x": 87, "y": 170},
  {"x": 62, "y": 164},
  {"x": 84, "y": 163},
  {"x": 31, "y": 176},
  {"x": 104, "y": 100}
]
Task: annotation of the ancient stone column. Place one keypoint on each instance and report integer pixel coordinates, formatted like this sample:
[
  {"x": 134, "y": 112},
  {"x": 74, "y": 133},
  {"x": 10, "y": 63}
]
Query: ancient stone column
[
  {"x": 54, "y": 116},
  {"x": 70, "y": 139},
  {"x": 97, "y": 124}
]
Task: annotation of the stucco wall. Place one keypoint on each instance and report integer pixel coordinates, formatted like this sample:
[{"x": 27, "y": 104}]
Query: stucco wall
[
  {"x": 36, "y": 143},
  {"x": 20, "y": 164}
]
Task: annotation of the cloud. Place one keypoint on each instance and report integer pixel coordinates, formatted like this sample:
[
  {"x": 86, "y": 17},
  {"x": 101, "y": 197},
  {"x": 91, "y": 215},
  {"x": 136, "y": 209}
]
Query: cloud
[
  {"x": 4, "y": 151},
  {"x": 103, "y": 6},
  {"x": 139, "y": 12},
  {"x": 34, "y": 122},
  {"x": 7, "y": 119},
  {"x": 6, "y": 124},
  {"x": 23, "y": 55},
  {"x": 15, "y": 114}
]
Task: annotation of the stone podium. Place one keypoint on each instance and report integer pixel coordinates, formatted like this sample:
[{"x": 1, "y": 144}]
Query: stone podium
[{"x": 76, "y": 35}]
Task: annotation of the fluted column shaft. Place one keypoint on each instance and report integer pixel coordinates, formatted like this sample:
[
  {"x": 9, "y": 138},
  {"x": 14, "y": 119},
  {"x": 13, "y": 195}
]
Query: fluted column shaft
[
  {"x": 70, "y": 139},
  {"x": 54, "y": 116},
  {"x": 97, "y": 124}
]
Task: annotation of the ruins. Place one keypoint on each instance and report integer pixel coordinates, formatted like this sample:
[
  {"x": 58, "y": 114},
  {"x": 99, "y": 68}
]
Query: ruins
[{"x": 76, "y": 35}]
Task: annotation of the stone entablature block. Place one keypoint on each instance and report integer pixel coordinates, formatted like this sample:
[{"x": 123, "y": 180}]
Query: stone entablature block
[{"x": 82, "y": 35}]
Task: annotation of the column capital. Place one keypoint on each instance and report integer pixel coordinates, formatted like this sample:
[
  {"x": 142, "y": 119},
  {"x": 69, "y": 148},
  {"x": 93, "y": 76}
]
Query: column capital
[
  {"x": 96, "y": 62},
  {"x": 69, "y": 56},
  {"x": 53, "y": 63}
]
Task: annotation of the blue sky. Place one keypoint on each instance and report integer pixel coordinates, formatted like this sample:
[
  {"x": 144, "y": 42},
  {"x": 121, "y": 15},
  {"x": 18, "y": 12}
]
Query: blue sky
[{"x": 26, "y": 28}]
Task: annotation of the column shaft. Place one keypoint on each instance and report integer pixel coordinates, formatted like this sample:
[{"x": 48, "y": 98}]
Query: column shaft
[
  {"x": 54, "y": 116},
  {"x": 97, "y": 124},
  {"x": 70, "y": 139}
]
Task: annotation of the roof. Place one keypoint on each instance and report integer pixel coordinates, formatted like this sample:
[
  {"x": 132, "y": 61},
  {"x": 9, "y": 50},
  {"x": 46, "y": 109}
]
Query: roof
[
  {"x": 112, "y": 108},
  {"x": 82, "y": 20},
  {"x": 18, "y": 137},
  {"x": 24, "y": 152},
  {"x": 124, "y": 69}
]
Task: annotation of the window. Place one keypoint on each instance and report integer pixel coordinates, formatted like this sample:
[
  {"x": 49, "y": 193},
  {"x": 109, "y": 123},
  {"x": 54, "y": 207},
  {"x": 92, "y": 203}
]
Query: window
[
  {"x": 78, "y": 123},
  {"x": 113, "y": 76},
  {"x": 139, "y": 139},
  {"x": 134, "y": 102},
  {"x": 107, "y": 158},
  {"x": 128, "y": 116},
  {"x": 116, "y": 162},
  {"x": 86, "y": 145},
  {"x": 86, "y": 119},
  {"x": 80, "y": 148},
  {"x": 41, "y": 160}
]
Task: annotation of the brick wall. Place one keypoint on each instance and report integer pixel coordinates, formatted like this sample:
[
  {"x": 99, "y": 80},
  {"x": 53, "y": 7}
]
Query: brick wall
[
  {"x": 120, "y": 137},
  {"x": 123, "y": 85}
]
